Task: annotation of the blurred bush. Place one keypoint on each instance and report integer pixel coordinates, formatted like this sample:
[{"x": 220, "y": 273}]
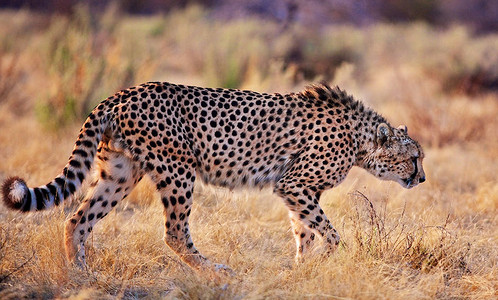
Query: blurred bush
[{"x": 84, "y": 59}]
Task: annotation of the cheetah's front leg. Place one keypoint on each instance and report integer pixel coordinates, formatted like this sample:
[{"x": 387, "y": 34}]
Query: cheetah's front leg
[
  {"x": 307, "y": 218},
  {"x": 304, "y": 238}
]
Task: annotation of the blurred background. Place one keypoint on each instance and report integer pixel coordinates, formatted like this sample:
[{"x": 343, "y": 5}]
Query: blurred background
[
  {"x": 439, "y": 58},
  {"x": 480, "y": 14},
  {"x": 429, "y": 64}
]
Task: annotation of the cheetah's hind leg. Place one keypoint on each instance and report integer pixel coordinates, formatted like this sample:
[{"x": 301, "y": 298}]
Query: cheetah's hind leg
[{"x": 116, "y": 176}]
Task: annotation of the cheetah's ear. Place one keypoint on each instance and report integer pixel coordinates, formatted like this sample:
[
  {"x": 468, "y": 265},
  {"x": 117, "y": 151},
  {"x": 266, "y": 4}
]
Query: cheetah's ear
[
  {"x": 403, "y": 128},
  {"x": 384, "y": 132}
]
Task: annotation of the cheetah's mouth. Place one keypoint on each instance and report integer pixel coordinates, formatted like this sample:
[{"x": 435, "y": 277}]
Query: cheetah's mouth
[{"x": 409, "y": 181}]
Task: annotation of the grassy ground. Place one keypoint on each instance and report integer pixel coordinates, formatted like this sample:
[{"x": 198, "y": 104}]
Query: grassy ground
[{"x": 438, "y": 240}]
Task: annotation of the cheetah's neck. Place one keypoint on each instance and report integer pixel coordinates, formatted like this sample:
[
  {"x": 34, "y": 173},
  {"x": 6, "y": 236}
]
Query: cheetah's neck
[{"x": 365, "y": 126}]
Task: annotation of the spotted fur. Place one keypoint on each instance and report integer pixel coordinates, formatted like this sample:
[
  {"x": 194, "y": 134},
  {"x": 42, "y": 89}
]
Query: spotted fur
[{"x": 301, "y": 144}]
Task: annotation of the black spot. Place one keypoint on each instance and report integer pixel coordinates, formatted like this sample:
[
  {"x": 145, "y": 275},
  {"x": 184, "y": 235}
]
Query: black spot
[
  {"x": 70, "y": 174},
  {"x": 81, "y": 176},
  {"x": 80, "y": 152},
  {"x": 87, "y": 144},
  {"x": 71, "y": 187},
  {"x": 75, "y": 163}
]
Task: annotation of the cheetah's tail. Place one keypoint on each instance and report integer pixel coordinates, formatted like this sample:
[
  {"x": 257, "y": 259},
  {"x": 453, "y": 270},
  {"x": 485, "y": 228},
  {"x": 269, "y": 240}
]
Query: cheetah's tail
[{"x": 18, "y": 196}]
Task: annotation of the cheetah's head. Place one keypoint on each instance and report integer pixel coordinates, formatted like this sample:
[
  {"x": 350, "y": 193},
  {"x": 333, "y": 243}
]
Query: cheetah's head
[{"x": 396, "y": 157}]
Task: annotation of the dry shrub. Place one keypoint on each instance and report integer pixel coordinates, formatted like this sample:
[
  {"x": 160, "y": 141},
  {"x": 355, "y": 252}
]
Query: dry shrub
[
  {"x": 10, "y": 84},
  {"x": 391, "y": 237},
  {"x": 85, "y": 64}
]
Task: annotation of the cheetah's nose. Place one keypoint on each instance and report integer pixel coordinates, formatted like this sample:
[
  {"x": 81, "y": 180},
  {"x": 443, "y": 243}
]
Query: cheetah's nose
[{"x": 421, "y": 179}]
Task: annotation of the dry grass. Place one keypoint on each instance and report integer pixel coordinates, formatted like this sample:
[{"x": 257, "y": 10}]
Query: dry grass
[{"x": 438, "y": 240}]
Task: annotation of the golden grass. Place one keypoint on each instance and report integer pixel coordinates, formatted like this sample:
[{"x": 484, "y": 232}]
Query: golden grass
[{"x": 438, "y": 240}]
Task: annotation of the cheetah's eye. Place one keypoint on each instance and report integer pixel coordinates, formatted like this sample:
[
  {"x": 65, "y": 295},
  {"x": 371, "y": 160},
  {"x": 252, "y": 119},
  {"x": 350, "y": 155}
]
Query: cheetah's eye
[{"x": 412, "y": 160}]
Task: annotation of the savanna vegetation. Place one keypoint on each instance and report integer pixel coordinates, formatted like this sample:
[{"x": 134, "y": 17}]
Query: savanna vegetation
[{"x": 438, "y": 240}]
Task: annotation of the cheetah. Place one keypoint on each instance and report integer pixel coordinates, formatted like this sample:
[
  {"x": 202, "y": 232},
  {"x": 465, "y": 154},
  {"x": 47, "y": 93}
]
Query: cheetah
[{"x": 301, "y": 144}]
